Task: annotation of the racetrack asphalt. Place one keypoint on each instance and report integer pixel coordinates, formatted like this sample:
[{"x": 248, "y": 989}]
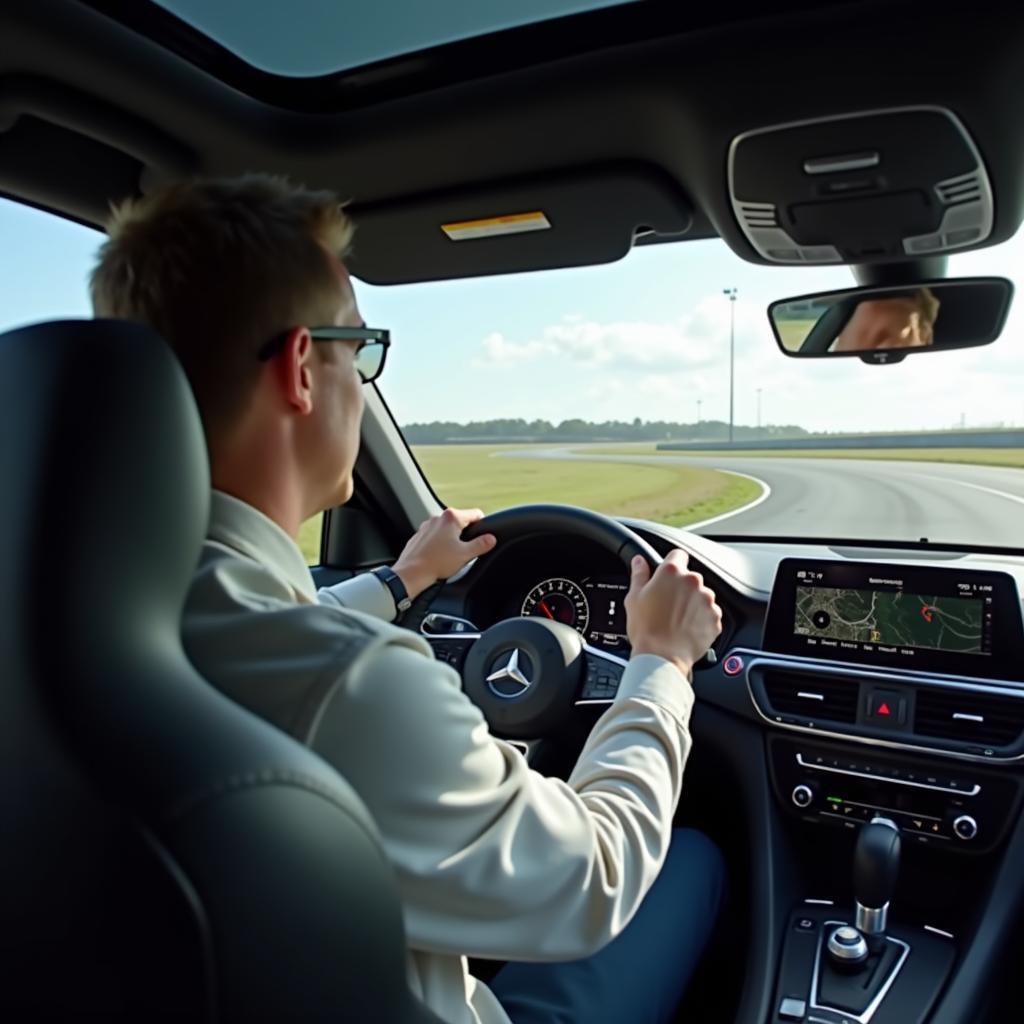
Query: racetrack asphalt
[{"x": 869, "y": 499}]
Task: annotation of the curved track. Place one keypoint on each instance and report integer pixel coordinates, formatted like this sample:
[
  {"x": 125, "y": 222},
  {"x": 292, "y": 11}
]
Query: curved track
[{"x": 862, "y": 498}]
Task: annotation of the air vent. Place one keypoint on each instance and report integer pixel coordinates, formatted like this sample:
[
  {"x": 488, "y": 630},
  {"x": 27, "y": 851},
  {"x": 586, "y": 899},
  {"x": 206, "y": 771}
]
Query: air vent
[
  {"x": 984, "y": 719},
  {"x": 829, "y": 698},
  {"x": 965, "y": 189},
  {"x": 759, "y": 215}
]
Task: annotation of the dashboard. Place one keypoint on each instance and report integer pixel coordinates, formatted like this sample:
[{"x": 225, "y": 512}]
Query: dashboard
[
  {"x": 895, "y": 653},
  {"x": 851, "y": 683}
]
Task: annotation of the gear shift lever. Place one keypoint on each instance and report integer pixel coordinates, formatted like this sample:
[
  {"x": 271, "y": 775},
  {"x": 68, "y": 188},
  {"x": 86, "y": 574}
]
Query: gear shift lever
[
  {"x": 862, "y": 961},
  {"x": 876, "y": 863}
]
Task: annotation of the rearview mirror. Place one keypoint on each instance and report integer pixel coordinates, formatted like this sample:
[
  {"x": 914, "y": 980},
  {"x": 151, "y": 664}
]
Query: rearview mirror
[{"x": 884, "y": 325}]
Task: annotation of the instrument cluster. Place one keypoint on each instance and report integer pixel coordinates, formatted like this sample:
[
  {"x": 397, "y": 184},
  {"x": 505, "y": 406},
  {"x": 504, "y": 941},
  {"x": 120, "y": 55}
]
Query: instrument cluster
[{"x": 593, "y": 606}]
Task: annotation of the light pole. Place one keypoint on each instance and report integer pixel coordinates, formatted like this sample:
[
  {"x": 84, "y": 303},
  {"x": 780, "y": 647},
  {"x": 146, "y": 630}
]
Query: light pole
[
  {"x": 698, "y": 417},
  {"x": 759, "y": 411},
  {"x": 731, "y": 292}
]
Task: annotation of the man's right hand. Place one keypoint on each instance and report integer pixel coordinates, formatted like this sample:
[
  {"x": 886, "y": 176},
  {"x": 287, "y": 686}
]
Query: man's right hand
[{"x": 671, "y": 614}]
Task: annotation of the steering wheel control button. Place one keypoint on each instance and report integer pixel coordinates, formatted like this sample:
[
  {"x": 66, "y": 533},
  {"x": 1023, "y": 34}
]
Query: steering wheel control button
[
  {"x": 733, "y": 665},
  {"x": 452, "y": 652},
  {"x": 792, "y": 1009},
  {"x": 602, "y": 680},
  {"x": 965, "y": 827},
  {"x": 802, "y": 796}
]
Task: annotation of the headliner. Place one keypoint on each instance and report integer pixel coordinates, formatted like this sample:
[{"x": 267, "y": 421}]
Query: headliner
[{"x": 642, "y": 98}]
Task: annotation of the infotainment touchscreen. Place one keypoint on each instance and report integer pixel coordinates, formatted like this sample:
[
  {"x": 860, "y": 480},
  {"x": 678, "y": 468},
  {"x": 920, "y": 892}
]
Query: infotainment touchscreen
[{"x": 962, "y": 622}]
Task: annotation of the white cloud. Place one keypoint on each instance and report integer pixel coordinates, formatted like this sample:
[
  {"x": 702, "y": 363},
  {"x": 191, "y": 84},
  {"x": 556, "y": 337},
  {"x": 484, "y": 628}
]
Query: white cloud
[
  {"x": 695, "y": 340},
  {"x": 498, "y": 351}
]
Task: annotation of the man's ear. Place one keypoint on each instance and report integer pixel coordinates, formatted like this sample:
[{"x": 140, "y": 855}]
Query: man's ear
[{"x": 292, "y": 367}]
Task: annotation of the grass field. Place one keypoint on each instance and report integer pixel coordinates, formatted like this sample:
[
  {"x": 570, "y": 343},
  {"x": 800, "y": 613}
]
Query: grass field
[
  {"x": 794, "y": 332},
  {"x": 478, "y": 477},
  {"x": 474, "y": 476},
  {"x": 309, "y": 539},
  {"x": 1013, "y": 457}
]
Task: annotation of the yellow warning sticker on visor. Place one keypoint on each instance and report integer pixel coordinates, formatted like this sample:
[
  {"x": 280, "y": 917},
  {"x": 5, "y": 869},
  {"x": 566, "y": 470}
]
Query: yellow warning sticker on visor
[{"x": 513, "y": 224}]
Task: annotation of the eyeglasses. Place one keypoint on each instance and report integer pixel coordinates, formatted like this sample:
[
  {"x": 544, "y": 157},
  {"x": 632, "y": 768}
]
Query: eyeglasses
[{"x": 370, "y": 355}]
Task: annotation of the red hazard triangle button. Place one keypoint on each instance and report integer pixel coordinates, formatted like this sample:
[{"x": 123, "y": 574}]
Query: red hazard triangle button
[{"x": 887, "y": 709}]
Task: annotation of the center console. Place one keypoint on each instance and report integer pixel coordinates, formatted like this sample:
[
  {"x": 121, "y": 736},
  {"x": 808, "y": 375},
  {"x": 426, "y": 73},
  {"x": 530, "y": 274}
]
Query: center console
[
  {"x": 957, "y": 808},
  {"x": 895, "y": 696}
]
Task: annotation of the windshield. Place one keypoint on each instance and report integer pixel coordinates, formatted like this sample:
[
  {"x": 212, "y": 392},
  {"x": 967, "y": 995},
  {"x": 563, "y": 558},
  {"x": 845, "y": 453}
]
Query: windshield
[{"x": 564, "y": 386}]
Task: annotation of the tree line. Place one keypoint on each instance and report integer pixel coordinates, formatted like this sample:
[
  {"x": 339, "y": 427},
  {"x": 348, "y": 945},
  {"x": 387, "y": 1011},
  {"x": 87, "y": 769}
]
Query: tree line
[{"x": 531, "y": 431}]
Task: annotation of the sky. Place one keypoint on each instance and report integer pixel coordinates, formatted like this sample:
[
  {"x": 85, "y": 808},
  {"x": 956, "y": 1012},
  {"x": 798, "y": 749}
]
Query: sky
[
  {"x": 314, "y": 37},
  {"x": 645, "y": 337}
]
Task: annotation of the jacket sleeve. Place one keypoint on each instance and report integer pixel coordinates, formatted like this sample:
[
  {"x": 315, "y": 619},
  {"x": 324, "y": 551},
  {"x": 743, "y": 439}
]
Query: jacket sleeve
[
  {"x": 493, "y": 859},
  {"x": 364, "y": 593}
]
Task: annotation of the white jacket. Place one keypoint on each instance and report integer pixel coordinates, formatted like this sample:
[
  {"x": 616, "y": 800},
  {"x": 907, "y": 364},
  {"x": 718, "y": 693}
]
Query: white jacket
[{"x": 493, "y": 860}]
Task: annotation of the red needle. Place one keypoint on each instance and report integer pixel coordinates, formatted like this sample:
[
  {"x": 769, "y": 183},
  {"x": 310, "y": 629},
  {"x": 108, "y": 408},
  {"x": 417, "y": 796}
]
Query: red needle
[{"x": 544, "y": 609}]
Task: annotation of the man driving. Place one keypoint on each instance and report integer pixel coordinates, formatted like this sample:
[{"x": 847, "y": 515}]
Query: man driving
[{"x": 599, "y": 906}]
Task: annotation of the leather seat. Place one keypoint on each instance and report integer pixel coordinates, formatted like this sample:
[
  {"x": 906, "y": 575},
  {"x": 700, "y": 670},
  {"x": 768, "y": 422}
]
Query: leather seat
[{"x": 165, "y": 854}]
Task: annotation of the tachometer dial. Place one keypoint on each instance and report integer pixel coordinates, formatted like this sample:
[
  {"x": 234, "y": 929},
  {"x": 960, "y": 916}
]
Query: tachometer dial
[{"x": 561, "y": 600}]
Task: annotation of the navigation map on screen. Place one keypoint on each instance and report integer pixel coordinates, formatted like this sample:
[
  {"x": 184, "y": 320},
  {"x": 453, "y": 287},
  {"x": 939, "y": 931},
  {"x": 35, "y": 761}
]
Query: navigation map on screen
[{"x": 892, "y": 618}]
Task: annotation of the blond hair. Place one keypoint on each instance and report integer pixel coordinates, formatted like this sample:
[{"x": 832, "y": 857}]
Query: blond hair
[
  {"x": 218, "y": 268},
  {"x": 927, "y": 304}
]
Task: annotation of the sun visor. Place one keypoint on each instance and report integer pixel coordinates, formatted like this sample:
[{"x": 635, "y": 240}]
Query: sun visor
[
  {"x": 47, "y": 128},
  {"x": 861, "y": 188},
  {"x": 539, "y": 223}
]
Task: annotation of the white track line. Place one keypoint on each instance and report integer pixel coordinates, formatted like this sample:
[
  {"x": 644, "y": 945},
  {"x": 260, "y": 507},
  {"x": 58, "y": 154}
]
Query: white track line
[
  {"x": 574, "y": 455},
  {"x": 976, "y": 487},
  {"x": 765, "y": 494}
]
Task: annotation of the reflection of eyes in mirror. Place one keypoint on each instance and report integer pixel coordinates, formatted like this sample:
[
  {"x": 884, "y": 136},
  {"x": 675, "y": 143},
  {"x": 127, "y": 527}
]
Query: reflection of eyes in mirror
[{"x": 898, "y": 322}]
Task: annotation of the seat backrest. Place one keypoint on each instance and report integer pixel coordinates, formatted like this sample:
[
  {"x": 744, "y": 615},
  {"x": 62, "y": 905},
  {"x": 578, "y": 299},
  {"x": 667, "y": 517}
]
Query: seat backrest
[{"x": 165, "y": 853}]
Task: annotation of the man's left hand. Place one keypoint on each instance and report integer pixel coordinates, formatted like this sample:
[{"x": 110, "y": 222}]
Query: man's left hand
[{"x": 435, "y": 551}]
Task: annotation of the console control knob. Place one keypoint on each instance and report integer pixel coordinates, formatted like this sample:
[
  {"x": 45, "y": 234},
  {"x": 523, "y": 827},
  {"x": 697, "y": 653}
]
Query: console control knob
[
  {"x": 965, "y": 827},
  {"x": 802, "y": 795},
  {"x": 847, "y": 948}
]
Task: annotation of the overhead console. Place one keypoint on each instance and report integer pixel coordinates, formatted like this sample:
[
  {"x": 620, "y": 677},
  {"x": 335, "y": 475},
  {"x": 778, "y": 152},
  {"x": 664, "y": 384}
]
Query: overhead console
[{"x": 861, "y": 188}]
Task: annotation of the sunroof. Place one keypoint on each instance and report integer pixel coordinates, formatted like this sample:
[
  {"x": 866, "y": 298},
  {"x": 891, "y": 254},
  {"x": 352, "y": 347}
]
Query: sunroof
[{"x": 304, "y": 38}]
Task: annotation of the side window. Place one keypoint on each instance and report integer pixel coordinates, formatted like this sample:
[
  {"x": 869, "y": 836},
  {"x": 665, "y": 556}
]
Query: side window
[
  {"x": 309, "y": 538},
  {"x": 46, "y": 264}
]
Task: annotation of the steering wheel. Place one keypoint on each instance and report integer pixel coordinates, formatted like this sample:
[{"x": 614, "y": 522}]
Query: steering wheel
[{"x": 527, "y": 674}]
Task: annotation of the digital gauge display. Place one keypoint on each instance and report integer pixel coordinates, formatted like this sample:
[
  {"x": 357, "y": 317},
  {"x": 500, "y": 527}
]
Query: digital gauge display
[
  {"x": 561, "y": 600},
  {"x": 594, "y": 607}
]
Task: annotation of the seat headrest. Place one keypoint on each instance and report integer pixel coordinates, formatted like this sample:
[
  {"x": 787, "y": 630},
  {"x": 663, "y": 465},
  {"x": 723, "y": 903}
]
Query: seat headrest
[{"x": 111, "y": 470}]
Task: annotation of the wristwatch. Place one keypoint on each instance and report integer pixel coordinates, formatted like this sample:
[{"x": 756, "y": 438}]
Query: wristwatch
[{"x": 394, "y": 583}]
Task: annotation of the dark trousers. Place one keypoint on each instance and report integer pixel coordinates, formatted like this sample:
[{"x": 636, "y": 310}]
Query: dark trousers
[{"x": 639, "y": 977}]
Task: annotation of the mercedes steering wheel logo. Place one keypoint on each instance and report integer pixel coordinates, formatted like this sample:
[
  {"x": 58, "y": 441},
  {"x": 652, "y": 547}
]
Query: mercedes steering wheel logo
[{"x": 513, "y": 678}]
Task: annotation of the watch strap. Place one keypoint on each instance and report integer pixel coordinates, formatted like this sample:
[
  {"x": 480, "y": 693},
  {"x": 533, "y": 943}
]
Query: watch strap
[{"x": 394, "y": 583}]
